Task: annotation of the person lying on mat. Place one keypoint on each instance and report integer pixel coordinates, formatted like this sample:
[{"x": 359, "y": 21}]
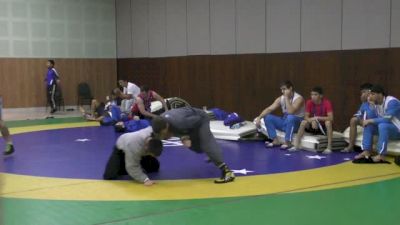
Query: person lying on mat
[
  {"x": 98, "y": 109},
  {"x": 366, "y": 111},
  {"x": 292, "y": 105},
  {"x": 142, "y": 106},
  {"x": 193, "y": 127},
  {"x": 386, "y": 125},
  {"x": 131, "y": 125},
  {"x": 318, "y": 119},
  {"x": 135, "y": 154}
]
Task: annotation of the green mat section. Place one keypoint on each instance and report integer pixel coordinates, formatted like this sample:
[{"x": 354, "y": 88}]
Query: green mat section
[
  {"x": 371, "y": 204},
  {"x": 25, "y": 123}
]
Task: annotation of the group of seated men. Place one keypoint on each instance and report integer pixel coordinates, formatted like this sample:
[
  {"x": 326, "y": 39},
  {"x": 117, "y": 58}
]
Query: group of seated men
[{"x": 379, "y": 114}]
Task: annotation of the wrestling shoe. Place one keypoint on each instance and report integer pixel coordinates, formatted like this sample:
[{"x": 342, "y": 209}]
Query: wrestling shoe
[
  {"x": 9, "y": 149},
  {"x": 227, "y": 176}
]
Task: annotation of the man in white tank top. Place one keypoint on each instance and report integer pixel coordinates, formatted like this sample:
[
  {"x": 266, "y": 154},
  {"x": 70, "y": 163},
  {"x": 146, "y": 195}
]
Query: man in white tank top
[
  {"x": 128, "y": 95},
  {"x": 292, "y": 105}
]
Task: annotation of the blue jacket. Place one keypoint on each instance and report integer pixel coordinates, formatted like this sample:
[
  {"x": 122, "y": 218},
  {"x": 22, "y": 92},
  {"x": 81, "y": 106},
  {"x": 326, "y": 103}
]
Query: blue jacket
[
  {"x": 389, "y": 111},
  {"x": 51, "y": 77},
  {"x": 366, "y": 111}
]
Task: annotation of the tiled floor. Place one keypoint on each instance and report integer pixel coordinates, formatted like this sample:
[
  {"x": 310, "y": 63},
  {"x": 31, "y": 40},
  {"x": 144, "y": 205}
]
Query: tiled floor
[{"x": 9, "y": 114}]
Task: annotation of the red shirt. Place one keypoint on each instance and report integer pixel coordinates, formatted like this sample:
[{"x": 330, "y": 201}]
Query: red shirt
[
  {"x": 146, "y": 102},
  {"x": 319, "y": 109}
]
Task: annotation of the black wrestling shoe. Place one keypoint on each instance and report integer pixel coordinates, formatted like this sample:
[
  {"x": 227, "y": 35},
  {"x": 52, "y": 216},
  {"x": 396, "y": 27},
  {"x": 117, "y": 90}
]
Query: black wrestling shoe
[
  {"x": 227, "y": 176},
  {"x": 9, "y": 149}
]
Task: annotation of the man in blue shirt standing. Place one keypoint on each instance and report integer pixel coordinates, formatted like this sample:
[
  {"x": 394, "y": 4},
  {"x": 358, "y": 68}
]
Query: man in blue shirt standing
[{"x": 52, "y": 79}]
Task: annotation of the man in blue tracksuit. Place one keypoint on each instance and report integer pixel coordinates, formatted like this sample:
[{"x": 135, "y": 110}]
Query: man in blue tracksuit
[
  {"x": 386, "y": 125},
  {"x": 51, "y": 80},
  {"x": 366, "y": 111}
]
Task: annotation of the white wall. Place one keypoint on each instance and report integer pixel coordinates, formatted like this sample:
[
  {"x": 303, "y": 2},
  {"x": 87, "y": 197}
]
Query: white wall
[
  {"x": 124, "y": 28},
  {"x": 201, "y": 27},
  {"x": 283, "y": 26},
  {"x": 223, "y": 27},
  {"x": 198, "y": 27},
  {"x": 140, "y": 29},
  {"x": 321, "y": 25},
  {"x": 176, "y": 27},
  {"x": 366, "y": 24},
  {"x": 59, "y": 29},
  {"x": 395, "y": 24},
  {"x": 250, "y": 26}
]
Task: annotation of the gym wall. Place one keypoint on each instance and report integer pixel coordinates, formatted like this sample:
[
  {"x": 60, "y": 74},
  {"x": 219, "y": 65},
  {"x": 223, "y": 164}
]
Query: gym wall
[
  {"x": 79, "y": 34},
  {"x": 234, "y": 53}
]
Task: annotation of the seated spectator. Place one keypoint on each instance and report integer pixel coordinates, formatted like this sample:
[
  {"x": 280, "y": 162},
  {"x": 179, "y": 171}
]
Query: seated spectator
[
  {"x": 386, "y": 125},
  {"x": 366, "y": 111},
  {"x": 292, "y": 105},
  {"x": 318, "y": 119}
]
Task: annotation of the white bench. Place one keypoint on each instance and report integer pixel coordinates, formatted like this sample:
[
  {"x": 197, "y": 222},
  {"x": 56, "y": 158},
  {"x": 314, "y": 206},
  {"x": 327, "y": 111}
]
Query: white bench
[{"x": 393, "y": 146}]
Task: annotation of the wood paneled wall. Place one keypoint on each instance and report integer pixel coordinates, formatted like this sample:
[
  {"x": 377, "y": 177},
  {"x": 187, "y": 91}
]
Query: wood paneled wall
[
  {"x": 248, "y": 83},
  {"x": 22, "y": 80}
]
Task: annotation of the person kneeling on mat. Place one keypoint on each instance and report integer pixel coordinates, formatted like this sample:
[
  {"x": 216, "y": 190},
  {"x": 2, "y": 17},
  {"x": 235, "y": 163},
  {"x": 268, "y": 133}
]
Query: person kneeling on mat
[
  {"x": 193, "y": 127},
  {"x": 142, "y": 106},
  {"x": 135, "y": 154}
]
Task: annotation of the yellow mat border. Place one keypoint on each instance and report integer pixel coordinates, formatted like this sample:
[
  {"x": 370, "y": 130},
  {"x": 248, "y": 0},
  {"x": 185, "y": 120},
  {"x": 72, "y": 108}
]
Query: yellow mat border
[{"x": 336, "y": 176}]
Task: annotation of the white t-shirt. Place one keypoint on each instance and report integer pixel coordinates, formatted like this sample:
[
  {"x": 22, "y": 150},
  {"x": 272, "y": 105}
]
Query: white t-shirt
[
  {"x": 132, "y": 89},
  {"x": 133, "y": 146}
]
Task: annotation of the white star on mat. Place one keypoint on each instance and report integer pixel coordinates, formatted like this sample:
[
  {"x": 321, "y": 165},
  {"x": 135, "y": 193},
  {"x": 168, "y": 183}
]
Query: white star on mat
[
  {"x": 316, "y": 157},
  {"x": 82, "y": 140},
  {"x": 242, "y": 171},
  {"x": 288, "y": 154},
  {"x": 346, "y": 159}
]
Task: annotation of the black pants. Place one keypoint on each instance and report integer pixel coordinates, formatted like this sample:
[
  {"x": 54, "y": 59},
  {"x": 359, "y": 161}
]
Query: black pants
[
  {"x": 51, "y": 95},
  {"x": 115, "y": 165}
]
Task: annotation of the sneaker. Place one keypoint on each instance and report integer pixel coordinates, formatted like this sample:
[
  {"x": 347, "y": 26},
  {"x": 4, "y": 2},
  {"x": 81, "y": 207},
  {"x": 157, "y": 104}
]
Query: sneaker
[
  {"x": 271, "y": 144},
  {"x": 9, "y": 149},
  {"x": 364, "y": 154},
  {"x": 286, "y": 146},
  {"x": 347, "y": 150},
  {"x": 293, "y": 149},
  {"x": 227, "y": 176},
  {"x": 327, "y": 151}
]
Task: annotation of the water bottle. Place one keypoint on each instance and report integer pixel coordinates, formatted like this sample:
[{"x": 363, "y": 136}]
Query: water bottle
[{"x": 237, "y": 125}]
